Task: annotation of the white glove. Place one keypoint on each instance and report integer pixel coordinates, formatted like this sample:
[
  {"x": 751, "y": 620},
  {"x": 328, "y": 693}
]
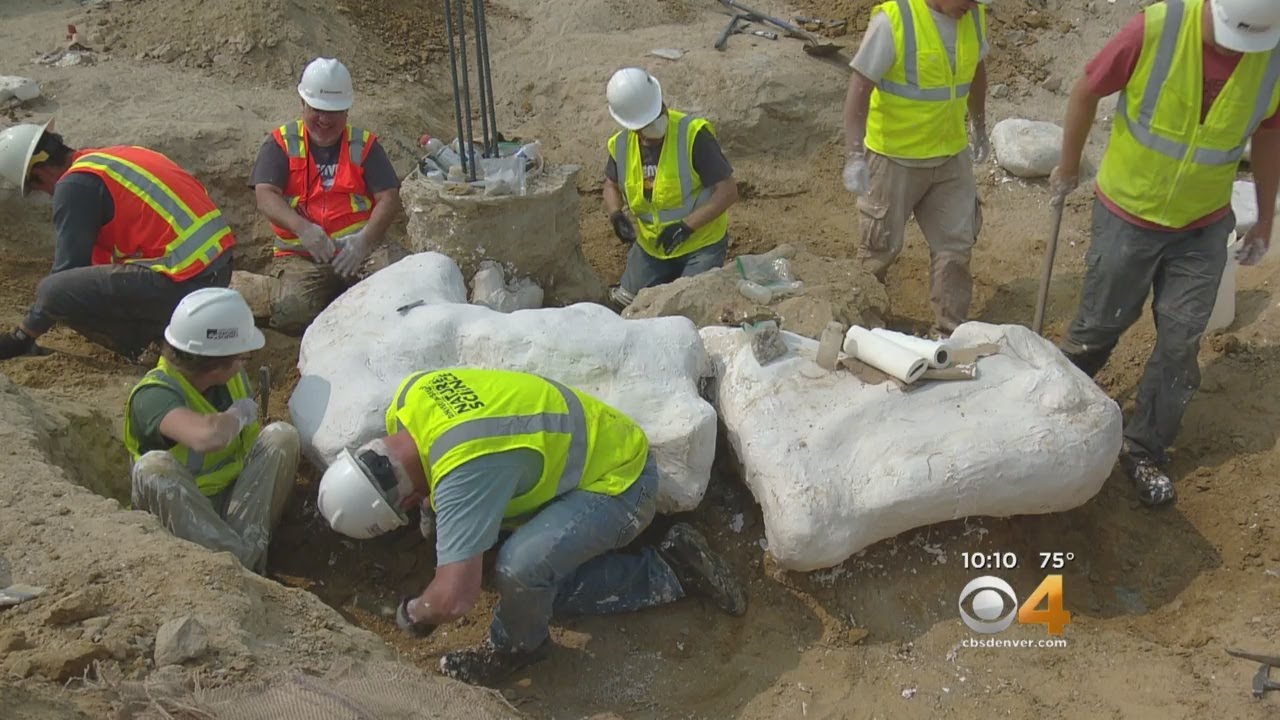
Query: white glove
[
  {"x": 318, "y": 243},
  {"x": 245, "y": 411},
  {"x": 354, "y": 250},
  {"x": 857, "y": 176},
  {"x": 1254, "y": 246}
]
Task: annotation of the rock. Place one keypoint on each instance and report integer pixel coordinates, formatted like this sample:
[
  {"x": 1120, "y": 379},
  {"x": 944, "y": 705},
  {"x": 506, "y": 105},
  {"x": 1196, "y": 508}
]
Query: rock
[
  {"x": 1053, "y": 83},
  {"x": 12, "y": 641},
  {"x": 1027, "y": 148},
  {"x": 490, "y": 288},
  {"x": 63, "y": 662},
  {"x": 75, "y": 607},
  {"x": 14, "y": 89},
  {"x": 180, "y": 640},
  {"x": 1015, "y": 37},
  {"x": 838, "y": 290},
  {"x": 20, "y": 667},
  {"x": 999, "y": 90}
]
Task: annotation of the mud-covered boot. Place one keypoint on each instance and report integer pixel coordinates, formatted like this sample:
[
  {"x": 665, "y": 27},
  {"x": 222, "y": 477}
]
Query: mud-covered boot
[
  {"x": 486, "y": 665},
  {"x": 1153, "y": 485},
  {"x": 700, "y": 570}
]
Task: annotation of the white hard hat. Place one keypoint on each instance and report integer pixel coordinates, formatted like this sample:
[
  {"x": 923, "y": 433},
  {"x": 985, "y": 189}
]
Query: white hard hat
[
  {"x": 326, "y": 85},
  {"x": 350, "y": 499},
  {"x": 17, "y": 145},
  {"x": 214, "y": 322},
  {"x": 1246, "y": 25},
  {"x": 635, "y": 98}
]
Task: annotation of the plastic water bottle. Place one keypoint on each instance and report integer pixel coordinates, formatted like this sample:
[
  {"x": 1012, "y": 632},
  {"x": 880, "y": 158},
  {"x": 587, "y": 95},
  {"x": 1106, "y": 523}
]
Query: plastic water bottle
[
  {"x": 829, "y": 345},
  {"x": 531, "y": 153},
  {"x": 442, "y": 155}
]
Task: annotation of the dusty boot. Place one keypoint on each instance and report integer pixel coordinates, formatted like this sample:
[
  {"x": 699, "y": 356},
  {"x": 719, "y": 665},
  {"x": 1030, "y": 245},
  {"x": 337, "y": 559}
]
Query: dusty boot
[
  {"x": 1153, "y": 486},
  {"x": 619, "y": 298},
  {"x": 486, "y": 665},
  {"x": 700, "y": 570}
]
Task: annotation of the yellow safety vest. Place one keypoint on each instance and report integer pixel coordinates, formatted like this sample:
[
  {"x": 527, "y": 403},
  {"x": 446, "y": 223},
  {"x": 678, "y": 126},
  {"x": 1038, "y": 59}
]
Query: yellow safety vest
[
  {"x": 677, "y": 188},
  {"x": 464, "y": 413},
  {"x": 1163, "y": 164},
  {"x": 918, "y": 108},
  {"x": 215, "y": 471}
]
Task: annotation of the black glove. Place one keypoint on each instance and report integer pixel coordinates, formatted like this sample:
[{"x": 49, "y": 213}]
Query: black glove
[
  {"x": 673, "y": 235},
  {"x": 622, "y": 227},
  {"x": 15, "y": 343},
  {"x": 416, "y": 629}
]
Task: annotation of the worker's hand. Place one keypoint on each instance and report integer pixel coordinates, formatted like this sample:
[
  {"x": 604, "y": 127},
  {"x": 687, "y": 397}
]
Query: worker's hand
[
  {"x": 245, "y": 411},
  {"x": 980, "y": 143},
  {"x": 405, "y": 621},
  {"x": 672, "y": 235},
  {"x": 622, "y": 227},
  {"x": 1061, "y": 185},
  {"x": 318, "y": 243},
  {"x": 15, "y": 343},
  {"x": 1254, "y": 246},
  {"x": 857, "y": 176},
  {"x": 354, "y": 251}
]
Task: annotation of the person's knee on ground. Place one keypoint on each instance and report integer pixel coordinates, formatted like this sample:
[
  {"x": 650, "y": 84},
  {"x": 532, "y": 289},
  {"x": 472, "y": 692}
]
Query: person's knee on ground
[
  {"x": 282, "y": 439},
  {"x": 151, "y": 475},
  {"x": 303, "y": 290}
]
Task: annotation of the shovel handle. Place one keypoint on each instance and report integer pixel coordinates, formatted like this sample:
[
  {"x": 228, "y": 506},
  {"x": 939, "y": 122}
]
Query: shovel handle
[
  {"x": 1046, "y": 269},
  {"x": 264, "y": 389}
]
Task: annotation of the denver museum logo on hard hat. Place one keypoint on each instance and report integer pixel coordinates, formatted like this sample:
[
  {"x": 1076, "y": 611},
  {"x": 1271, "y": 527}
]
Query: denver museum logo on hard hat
[{"x": 221, "y": 333}]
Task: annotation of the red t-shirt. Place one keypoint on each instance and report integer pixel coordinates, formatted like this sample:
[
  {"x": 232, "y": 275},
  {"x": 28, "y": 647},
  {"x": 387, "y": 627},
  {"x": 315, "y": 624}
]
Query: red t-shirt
[{"x": 1109, "y": 72}]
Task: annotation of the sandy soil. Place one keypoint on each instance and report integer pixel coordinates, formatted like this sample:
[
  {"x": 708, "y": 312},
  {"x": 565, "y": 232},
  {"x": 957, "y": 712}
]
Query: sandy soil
[{"x": 1155, "y": 596}]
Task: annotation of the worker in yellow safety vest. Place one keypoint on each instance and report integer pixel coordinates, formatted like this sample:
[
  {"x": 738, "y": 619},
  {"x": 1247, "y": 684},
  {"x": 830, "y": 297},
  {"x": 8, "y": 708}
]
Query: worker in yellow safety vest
[
  {"x": 1197, "y": 79},
  {"x": 667, "y": 167},
  {"x": 480, "y": 451},
  {"x": 920, "y": 68},
  {"x": 201, "y": 461}
]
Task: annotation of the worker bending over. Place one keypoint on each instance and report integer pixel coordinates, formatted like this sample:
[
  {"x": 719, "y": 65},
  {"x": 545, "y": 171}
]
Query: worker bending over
[
  {"x": 572, "y": 477},
  {"x": 330, "y": 193},
  {"x": 135, "y": 234},
  {"x": 201, "y": 461},
  {"x": 1197, "y": 79},
  {"x": 667, "y": 166},
  {"x": 920, "y": 67}
]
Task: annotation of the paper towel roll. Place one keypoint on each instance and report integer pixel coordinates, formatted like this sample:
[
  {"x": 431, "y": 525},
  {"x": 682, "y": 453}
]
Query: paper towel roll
[
  {"x": 885, "y": 355},
  {"x": 935, "y": 351}
]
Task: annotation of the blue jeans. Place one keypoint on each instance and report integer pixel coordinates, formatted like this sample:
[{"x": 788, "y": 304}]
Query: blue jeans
[
  {"x": 644, "y": 270},
  {"x": 560, "y": 563}
]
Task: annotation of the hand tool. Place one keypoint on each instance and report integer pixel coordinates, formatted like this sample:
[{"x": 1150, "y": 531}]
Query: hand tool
[
  {"x": 264, "y": 389},
  {"x": 728, "y": 30},
  {"x": 404, "y": 309},
  {"x": 813, "y": 46},
  {"x": 1262, "y": 681},
  {"x": 1046, "y": 268}
]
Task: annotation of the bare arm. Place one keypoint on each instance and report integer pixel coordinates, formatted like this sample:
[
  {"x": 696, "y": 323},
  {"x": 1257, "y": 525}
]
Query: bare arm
[
  {"x": 386, "y": 205},
  {"x": 1265, "y": 162},
  {"x": 1082, "y": 107},
  {"x": 978, "y": 96},
  {"x": 272, "y": 205},
  {"x": 202, "y": 433},
  {"x": 612, "y": 196},
  {"x": 452, "y": 592},
  {"x": 857, "y": 104},
  {"x": 723, "y": 195}
]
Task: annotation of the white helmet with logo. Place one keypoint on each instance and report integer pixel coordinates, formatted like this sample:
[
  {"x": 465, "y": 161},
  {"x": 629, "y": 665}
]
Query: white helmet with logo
[
  {"x": 1250, "y": 26},
  {"x": 635, "y": 98},
  {"x": 214, "y": 322},
  {"x": 17, "y": 146},
  {"x": 326, "y": 85},
  {"x": 353, "y": 502}
]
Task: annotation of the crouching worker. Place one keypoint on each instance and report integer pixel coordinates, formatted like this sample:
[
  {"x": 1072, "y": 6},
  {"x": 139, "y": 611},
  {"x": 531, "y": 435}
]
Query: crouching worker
[
  {"x": 201, "y": 461},
  {"x": 492, "y": 449}
]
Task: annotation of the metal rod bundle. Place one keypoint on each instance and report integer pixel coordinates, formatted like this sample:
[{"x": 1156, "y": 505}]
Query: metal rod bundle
[{"x": 460, "y": 73}]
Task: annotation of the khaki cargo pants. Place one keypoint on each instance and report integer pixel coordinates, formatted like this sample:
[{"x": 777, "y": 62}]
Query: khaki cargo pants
[
  {"x": 306, "y": 288},
  {"x": 944, "y": 200}
]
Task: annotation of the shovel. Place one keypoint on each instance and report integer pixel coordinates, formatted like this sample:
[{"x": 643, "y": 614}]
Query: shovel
[
  {"x": 1046, "y": 269},
  {"x": 813, "y": 46}
]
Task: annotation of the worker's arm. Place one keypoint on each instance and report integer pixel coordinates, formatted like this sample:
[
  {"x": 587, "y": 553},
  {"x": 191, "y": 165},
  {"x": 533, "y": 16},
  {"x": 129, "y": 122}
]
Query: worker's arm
[
  {"x": 857, "y": 103},
  {"x": 723, "y": 195},
  {"x": 204, "y": 433},
  {"x": 978, "y": 97},
  {"x": 1264, "y": 160},
  {"x": 452, "y": 592},
  {"x": 275, "y": 208},
  {"x": 1082, "y": 107},
  {"x": 385, "y": 209},
  {"x": 612, "y": 196}
]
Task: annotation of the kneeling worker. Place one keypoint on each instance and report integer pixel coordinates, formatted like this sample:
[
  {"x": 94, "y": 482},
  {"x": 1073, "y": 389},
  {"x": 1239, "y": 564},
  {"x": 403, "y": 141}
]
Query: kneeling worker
[
  {"x": 201, "y": 461},
  {"x": 572, "y": 476}
]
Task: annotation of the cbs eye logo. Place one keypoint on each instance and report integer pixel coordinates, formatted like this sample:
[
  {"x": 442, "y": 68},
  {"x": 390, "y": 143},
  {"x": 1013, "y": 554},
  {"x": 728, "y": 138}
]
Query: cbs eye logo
[{"x": 993, "y": 603}]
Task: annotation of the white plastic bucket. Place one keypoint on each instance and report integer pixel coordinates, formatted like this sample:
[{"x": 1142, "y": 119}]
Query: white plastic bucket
[{"x": 1224, "y": 306}]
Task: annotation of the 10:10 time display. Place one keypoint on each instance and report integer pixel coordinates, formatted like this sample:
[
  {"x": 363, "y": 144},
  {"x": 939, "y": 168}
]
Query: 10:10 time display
[{"x": 991, "y": 560}]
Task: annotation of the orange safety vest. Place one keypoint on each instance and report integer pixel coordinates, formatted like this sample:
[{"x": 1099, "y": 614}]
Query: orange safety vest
[
  {"x": 342, "y": 209},
  {"x": 164, "y": 218}
]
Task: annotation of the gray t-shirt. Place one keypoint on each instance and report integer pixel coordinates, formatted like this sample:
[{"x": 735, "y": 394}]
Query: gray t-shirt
[
  {"x": 470, "y": 501},
  {"x": 877, "y": 54},
  {"x": 272, "y": 166}
]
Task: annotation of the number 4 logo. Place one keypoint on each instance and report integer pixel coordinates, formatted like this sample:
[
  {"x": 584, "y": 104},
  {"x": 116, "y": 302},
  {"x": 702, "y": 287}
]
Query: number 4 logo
[{"x": 1054, "y": 616}]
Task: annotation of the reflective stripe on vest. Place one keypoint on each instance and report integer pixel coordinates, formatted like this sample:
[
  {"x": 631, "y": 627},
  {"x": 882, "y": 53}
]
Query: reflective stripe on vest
[
  {"x": 910, "y": 57},
  {"x": 296, "y": 147},
  {"x": 573, "y": 423},
  {"x": 196, "y": 237},
  {"x": 684, "y": 166},
  {"x": 1140, "y": 127}
]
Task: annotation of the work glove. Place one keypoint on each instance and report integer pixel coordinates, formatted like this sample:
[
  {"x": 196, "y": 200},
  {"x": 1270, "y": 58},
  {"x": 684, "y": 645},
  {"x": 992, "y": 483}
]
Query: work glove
[
  {"x": 622, "y": 227},
  {"x": 245, "y": 411},
  {"x": 1060, "y": 186},
  {"x": 407, "y": 624},
  {"x": 318, "y": 243},
  {"x": 980, "y": 144},
  {"x": 672, "y": 235},
  {"x": 354, "y": 250},
  {"x": 1254, "y": 246},
  {"x": 15, "y": 343},
  {"x": 857, "y": 176}
]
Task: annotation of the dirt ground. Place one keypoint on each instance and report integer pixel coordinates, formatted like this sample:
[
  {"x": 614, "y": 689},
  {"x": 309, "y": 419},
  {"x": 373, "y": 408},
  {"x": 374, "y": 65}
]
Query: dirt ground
[{"x": 1155, "y": 596}]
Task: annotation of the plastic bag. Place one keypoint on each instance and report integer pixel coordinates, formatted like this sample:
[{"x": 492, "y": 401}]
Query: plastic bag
[
  {"x": 503, "y": 176},
  {"x": 773, "y": 274},
  {"x": 766, "y": 341}
]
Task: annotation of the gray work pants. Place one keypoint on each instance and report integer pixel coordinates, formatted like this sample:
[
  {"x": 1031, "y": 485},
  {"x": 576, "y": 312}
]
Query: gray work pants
[
  {"x": 238, "y": 520},
  {"x": 1125, "y": 262},
  {"x": 123, "y": 308},
  {"x": 644, "y": 270}
]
